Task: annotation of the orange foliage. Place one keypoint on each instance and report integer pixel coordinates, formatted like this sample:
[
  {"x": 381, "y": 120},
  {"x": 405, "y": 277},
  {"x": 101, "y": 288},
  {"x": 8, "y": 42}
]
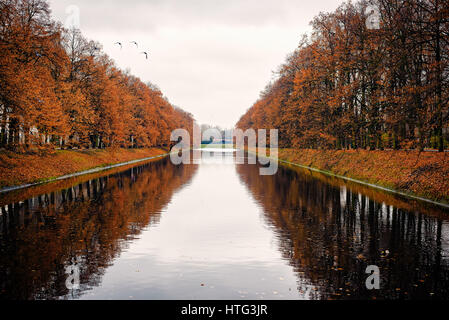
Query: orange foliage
[
  {"x": 424, "y": 174},
  {"x": 349, "y": 86},
  {"x": 57, "y": 88},
  {"x": 22, "y": 169}
]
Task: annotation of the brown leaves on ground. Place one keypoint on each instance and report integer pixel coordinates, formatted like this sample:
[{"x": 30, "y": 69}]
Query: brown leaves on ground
[
  {"x": 423, "y": 174},
  {"x": 17, "y": 169}
]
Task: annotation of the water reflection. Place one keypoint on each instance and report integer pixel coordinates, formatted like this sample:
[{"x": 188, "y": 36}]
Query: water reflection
[
  {"x": 331, "y": 232},
  {"x": 217, "y": 230},
  {"x": 85, "y": 225}
]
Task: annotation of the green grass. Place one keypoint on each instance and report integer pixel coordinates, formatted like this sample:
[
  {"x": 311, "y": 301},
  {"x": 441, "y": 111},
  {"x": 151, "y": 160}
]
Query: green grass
[
  {"x": 45, "y": 180},
  {"x": 217, "y": 146}
]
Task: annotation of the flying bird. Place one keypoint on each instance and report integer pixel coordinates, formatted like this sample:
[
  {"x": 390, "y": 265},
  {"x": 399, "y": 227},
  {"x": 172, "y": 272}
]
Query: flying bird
[
  {"x": 146, "y": 54},
  {"x": 137, "y": 45},
  {"x": 120, "y": 44}
]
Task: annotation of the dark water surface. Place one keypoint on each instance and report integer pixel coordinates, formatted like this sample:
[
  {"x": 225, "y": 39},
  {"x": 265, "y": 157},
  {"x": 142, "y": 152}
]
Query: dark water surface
[{"x": 218, "y": 230}]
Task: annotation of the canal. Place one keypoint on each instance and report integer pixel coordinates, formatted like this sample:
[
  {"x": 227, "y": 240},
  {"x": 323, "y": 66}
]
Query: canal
[{"x": 218, "y": 230}]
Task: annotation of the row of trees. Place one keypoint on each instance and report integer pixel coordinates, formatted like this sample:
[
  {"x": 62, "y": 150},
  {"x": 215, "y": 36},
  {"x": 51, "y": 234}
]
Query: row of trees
[
  {"x": 58, "y": 88},
  {"x": 349, "y": 85}
]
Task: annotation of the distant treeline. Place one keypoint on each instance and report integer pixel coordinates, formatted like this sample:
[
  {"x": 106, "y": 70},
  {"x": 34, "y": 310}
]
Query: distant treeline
[
  {"x": 353, "y": 84},
  {"x": 57, "y": 88}
]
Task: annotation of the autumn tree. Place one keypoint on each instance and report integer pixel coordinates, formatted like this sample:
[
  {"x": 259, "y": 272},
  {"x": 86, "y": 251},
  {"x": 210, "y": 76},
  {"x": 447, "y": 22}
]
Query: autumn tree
[
  {"x": 59, "y": 89},
  {"x": 350, "y": 86}
]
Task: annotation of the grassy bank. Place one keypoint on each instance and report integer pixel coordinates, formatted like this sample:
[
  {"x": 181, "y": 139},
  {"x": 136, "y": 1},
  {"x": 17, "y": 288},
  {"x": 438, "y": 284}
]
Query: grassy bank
[
  {"x": 217, "y": 146},
  {"x": 423, "y": 174},
  {"x": 18, "y": 169}
]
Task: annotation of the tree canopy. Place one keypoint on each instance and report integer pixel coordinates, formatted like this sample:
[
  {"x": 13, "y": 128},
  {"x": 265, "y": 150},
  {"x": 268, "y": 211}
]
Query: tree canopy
[
  {"x": 58, "y": 88},
  {"x": 348, "y": 85}
]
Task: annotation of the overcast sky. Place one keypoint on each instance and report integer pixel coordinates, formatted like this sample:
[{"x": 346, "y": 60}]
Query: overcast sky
[{"x": 210, "y": 57}]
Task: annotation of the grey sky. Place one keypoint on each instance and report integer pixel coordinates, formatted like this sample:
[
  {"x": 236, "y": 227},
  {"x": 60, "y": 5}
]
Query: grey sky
[{"x": 210, "y": 57}]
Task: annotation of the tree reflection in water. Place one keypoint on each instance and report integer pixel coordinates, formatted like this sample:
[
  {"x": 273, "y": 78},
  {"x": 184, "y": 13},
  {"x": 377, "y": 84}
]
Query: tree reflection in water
[
  {"x": 331, "y": 232},
  {"x": 91, "y": 222}
]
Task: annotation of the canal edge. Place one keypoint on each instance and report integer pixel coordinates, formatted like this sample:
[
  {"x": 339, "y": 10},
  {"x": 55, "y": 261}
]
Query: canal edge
[
  {"x": 81, "y": 173},
  {"x": 372, "y": 185}
]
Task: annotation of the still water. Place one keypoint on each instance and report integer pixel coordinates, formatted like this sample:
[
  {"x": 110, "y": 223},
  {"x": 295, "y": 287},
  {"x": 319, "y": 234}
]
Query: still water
[{"x": 218, "y": 230}]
